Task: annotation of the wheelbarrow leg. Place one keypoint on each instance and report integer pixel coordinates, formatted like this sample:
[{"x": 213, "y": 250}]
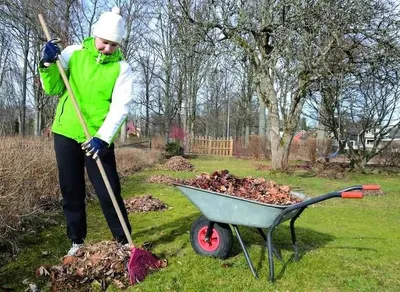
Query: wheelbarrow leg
[
  {"x": 292, "y": 231},
  {"x": 246, "y": 254},
  {"x": 209, "y": 231},
  {"x": 270, "y": 253},
  {"x": 274, "y": 250}
]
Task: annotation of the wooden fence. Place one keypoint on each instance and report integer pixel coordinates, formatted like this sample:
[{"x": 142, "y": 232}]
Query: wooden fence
[{"x": 211, "y": 146}]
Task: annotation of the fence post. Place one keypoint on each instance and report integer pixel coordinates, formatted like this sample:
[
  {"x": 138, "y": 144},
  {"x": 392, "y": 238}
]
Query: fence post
[{"x": 231, "y": 147}]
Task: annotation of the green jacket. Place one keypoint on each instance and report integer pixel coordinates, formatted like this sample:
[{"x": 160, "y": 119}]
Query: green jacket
[{"x": 102, "y": 86}]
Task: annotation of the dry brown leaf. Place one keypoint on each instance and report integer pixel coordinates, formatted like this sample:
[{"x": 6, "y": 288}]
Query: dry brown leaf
[
  {"x": 95, "y": 258},
  {"x": 42, "y": 271},
  {"x": 67, "y": 260}
]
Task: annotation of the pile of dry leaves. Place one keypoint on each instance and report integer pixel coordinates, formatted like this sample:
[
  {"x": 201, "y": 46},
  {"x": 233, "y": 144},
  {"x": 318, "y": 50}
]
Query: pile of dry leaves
[
  {"x": 104, "y": 263},
  {"x": 94, "y": 268},
  {"x": 257, "y": 189},
  {"x": 164, "y": 179},
  {"x": 178, "y": 163},
  {"x": 144, "y": 203}
]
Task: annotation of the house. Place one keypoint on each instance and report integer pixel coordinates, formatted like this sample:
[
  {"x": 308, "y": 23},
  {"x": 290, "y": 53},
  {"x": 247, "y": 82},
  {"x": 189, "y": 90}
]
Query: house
[
  {"x": 355, "y": 136},
  {"x": 299, "y": 135},
  {"x": 131, "y": 129}
]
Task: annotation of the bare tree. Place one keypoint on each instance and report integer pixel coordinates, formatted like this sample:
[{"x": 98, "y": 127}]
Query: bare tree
[
  {"x": 358, "y": 92},
  {"x": 147, "y": 65}
]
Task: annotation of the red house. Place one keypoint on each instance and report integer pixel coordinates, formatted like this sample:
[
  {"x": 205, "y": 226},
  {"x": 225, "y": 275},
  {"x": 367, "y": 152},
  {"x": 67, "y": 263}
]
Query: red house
[{"x": 131, "y": 129}]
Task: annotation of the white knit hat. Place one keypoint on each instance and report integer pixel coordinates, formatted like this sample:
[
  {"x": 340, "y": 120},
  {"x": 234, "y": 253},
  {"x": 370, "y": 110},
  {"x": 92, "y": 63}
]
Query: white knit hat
[{"x": 110, "y": 26}]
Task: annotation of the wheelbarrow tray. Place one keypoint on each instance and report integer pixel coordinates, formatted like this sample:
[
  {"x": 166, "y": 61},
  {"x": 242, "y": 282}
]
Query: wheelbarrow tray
[{"x": 224, "y": 208}]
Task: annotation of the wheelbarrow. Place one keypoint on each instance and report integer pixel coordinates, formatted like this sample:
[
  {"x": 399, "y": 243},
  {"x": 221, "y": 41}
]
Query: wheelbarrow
[{"x": 211, "y": 235}]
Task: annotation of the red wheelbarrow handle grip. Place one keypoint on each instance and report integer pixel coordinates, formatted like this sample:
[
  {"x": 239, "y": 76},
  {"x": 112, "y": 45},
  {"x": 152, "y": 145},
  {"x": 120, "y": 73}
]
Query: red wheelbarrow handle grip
[
  {"x": 371, "y": 187},
  {"x": 351, "y": 195}
]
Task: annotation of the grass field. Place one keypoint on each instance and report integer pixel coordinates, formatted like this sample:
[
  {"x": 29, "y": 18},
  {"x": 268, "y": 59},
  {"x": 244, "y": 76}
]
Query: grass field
[{"x": 344, "y": 245}]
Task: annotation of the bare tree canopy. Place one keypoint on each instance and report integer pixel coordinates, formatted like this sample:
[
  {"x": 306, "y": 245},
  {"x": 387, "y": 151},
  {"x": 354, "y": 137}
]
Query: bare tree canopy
[
  {"x": 203, "y": 65},
  {"x": 293, "y": 45}
]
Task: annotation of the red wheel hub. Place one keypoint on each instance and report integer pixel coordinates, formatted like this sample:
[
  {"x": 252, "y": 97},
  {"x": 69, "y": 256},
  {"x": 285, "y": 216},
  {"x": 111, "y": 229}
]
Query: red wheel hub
[{"x": 212, "y": 244}]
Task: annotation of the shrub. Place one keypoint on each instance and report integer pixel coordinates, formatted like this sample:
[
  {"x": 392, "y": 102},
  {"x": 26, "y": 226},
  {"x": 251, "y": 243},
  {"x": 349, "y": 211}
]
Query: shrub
[
  {"x": 177, "y": 133},
  {"x": 239, "y": 147},
  {"x": 295, "y": 150},
  {"x": 311, "y": 149},
  {"x": 28, "y": 175},
  {"x": 390, "y": 156},
  {"x": 255, "y": 146},
  {"x": 29, "y": 181},
  {"x": 130, "y": 160},
  {"x": 158, "y": 142},
  {"x": 173, "y": 148}
]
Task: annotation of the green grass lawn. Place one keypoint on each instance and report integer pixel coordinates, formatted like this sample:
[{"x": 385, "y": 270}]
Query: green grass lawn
[{"x": 344, "y": 245}]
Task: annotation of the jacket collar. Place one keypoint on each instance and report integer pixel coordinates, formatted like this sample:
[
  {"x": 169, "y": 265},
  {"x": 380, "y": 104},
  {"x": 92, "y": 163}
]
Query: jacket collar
[{"x": 89, "y": 45}]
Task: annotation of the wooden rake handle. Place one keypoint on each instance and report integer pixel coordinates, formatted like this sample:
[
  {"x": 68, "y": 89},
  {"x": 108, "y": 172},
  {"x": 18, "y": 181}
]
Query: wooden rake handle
[{"x": 85, "y": 128}]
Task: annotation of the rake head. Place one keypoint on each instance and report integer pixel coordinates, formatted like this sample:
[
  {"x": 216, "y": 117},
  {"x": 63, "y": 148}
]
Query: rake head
[{"x": 141, "y": 263}]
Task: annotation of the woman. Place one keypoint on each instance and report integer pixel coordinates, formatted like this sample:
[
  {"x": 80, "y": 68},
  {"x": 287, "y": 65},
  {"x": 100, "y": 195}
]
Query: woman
[{"x": 102, "y": 84}]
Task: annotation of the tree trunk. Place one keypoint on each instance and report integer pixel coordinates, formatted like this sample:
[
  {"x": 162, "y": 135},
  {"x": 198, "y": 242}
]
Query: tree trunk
[
  {"x": 38, "y": 121},
  {"x": 24, "y": 83},
  {"x": 357, "y": 162},
  {"x": 277, "y": 147}
]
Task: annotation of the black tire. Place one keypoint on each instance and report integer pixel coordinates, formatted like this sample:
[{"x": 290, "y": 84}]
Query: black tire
[{"x": 221, "y": 242}]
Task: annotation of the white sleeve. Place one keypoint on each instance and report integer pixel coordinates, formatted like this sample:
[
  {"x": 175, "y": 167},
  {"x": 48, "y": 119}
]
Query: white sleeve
[
  {"x": 67, "y": 53},
  {"x": 121, "y": 98}
]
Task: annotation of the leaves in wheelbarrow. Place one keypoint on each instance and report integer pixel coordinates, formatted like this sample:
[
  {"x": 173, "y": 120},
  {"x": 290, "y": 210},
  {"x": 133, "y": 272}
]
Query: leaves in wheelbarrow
[
  {"x": 257, "y": 189},
  {"x": 103, "y": 264}
]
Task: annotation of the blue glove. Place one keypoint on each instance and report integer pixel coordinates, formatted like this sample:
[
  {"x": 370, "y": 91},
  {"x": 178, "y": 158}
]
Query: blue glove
[
  {"x": 94, "y": 147},
  {"x": 50, "y": 51}
]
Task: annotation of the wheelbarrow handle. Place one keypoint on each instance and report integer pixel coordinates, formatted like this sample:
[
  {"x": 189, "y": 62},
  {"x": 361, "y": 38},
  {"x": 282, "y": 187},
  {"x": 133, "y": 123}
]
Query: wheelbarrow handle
[
  {"x": 351, "y": 195},
  {"x": 362, "y": 188},
  {"x": 371, "y": 187},
  {"x": 353, "y": 192}
]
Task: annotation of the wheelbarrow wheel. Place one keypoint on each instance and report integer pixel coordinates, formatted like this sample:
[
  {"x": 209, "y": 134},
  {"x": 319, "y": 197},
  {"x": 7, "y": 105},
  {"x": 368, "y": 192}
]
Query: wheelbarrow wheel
[{"x": 220, "y": 243}]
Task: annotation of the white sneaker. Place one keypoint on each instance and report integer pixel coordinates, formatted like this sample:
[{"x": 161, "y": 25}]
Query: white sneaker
[{"x": 74, "y": 249}]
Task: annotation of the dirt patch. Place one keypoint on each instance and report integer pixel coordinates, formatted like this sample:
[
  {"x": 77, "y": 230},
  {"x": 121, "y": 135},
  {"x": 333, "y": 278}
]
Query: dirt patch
[
  {"x": 374, "y": 193},
  {"x": 257, "y": 189},
  {"x": 324, "y": 170},
  {"x": 144, "y": 204},
  {"x": 260, "y": 166},
  {"x": 178, "y": 163},
  {"x": 330, "y": 170}
]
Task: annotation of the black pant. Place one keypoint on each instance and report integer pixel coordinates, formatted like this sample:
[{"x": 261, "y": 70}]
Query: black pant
[{"x": 71, "y": 161}]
